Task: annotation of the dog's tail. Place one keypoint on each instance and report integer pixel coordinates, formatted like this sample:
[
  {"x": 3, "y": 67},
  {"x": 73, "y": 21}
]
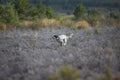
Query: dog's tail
[{"x": 70, "y": 36}]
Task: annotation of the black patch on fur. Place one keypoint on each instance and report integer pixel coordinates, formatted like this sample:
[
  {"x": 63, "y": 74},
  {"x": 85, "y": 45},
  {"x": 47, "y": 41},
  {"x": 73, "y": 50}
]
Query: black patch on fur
[{"x": 55, "y": 36}]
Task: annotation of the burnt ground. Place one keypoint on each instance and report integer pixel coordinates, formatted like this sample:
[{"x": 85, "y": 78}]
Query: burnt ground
[{"x": 25, "y": 56}]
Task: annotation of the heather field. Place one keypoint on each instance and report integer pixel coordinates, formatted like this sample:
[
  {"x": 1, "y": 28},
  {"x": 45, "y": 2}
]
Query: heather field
[{"x": 27, "y": 54}]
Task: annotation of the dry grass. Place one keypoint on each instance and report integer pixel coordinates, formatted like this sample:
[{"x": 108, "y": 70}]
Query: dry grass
[
  {"x": 48, "y": 22},
  {"x": 95, "y": 23},
  {"x": 116, "y": 77},
  {"x": 108, "y": 75},
  {"x": 36, "y": 24},
  {"x": 82, "y": 24},
  {"x": 113, "y": 22},
  {"x": 25, "y": 24},
  {"x": 5, "y": 26},
  {"x": 109, "y": 50},
  {"x": 68, "y": 23},
  {"x": 66, "y": 20},
  {"x": 69, "y": 17}
]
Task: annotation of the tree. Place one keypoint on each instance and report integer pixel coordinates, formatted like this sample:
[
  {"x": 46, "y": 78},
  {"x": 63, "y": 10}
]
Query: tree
[
  {"x": 22, "y": 7},
  {"x": 94, "y": 12},
  {"x": 33, "y": 11},
  {"x": 94, "y": 17},
  {"x": 80, "y": 11},
  {"x": 50, "y": 12},
  {"x": 1, "y": 12},
  {"x": 9, "y": 15},
  {"x": 41, "y": 10}
]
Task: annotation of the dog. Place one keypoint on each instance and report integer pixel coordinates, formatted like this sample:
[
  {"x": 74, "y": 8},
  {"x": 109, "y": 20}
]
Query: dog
[{"x": 62, "y": 39}]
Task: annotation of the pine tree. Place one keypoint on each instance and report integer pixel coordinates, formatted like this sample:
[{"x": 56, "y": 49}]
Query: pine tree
[
  {"x": 9, "y": 15},
  {"x": 94, "y": 17},
  {"x": 41, "y": 10},
  {"x": 1, "y": 13},
  {"x": 80, "y": 11},
  {"x": 50, "y": 12},
  {"x": 22, "y": 7}
]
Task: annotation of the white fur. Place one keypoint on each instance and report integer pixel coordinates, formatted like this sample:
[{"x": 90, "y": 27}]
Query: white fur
[{"x": 63, "y": 38}]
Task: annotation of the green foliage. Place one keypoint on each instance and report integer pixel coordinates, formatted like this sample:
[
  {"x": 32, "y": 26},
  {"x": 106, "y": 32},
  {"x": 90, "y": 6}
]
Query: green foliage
[
  {"x": 2, "y": 27},
  {"x": 94, "y": 17},
  {"x": 50, "y": 12},
  {"x": 69, "y": 73},
  {"x": 23, "y": 10},
  {"x": 113, "y": 18},
  {"x": 33, "y": 11},
  {"x": 8, "y": 14},
  {"x": 108, "y": 75},
  {"x": 35, "y": 25},
  {"x": 1, "y": 9},
  {"x": 54, "y": 77},
  {"x": 70, "y": 4},
  {"x": 66, "y": 73},
  {"x": 96, "y": 31},
  {"x": 80, "y": 11},
  {"x": 22, "y": 7},
  {"x": 41, "y": 10},
  {"x": 115, "y": 14}
]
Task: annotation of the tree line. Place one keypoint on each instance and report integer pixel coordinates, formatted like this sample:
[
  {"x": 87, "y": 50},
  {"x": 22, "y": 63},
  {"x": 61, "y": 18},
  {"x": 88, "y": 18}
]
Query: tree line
[
  {"x": 19, "y": 10},
  {"x": 22, "y": 9},
  {"x": 70, "y": 4}
]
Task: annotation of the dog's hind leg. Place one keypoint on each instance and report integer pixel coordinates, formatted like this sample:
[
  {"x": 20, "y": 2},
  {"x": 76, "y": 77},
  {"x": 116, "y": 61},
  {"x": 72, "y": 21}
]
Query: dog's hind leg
[{"x": 64, "y": 42}]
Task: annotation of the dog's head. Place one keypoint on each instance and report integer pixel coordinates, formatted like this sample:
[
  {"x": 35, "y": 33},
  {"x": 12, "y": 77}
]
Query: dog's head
[{"x": 55, "y": 37}]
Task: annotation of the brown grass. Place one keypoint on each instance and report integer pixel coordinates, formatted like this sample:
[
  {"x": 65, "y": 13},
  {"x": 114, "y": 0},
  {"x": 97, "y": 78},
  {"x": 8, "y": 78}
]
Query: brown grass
[
  {"x": 48, "y": 22},
  {"x": 109, "y": 50},
  {"x": 116, "y": 77},
  {"x": 25, "y": 23},
  {"x": 68, "y": 23},
  {"x": 82, "y": 24},
  {"x": 39, "y": 23},
  {"x": 113, "y": 22},
  {"x": 5, "y": 26}
]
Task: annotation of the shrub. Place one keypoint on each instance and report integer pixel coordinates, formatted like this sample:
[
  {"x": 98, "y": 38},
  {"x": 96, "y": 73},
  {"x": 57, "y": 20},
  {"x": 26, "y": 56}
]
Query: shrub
[
  {"x": 8, "y": 14},
  {"x": 115, "y": 14},
  {"x": 114, "y": 19},
  {"x": 49, "y": 22},
  {"x": 68, "y": 23},
  {"x": 33, "y": 11},
  {"x": 44, "y": 23},
  {"x": 50, "y": 12},
  {"x": 94, "y": 17},
  {"x": 69, "y": 73},
  {"x": 80, "y": 11},
  {"x": 1, "y": 9},
  {"x": 3, "y": 27},
  {"x": 54, "y": 77},
  {"x": 108, "y": 75},
  {"x": 41, "y": 11},
  {"x": 22, "y": 7},
  {"x": 96, "y": 31},
  {"x": 82, "y": 24},
  {"x": 25, "y": 24},
  {"x": 66, "y": 73}
]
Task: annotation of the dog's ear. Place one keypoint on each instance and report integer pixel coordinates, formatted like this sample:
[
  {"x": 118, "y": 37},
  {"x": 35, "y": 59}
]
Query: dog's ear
[{"x": 55, "y": 36}]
